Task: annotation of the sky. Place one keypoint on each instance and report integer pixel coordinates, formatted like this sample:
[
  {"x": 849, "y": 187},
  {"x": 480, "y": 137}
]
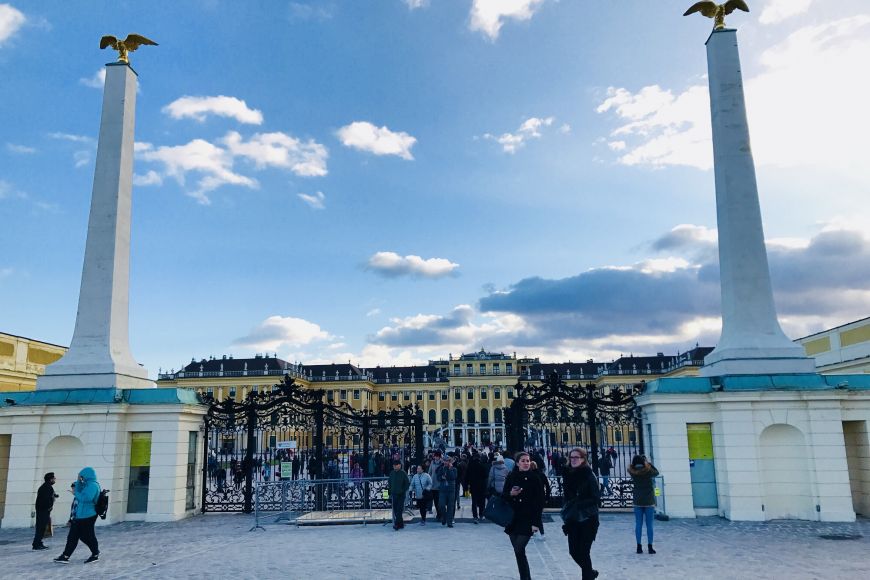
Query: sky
[{"x": 392, "y": 181}]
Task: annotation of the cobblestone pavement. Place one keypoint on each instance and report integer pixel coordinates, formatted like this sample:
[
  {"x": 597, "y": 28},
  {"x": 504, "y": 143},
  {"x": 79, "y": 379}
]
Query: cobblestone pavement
[{"x": 221, "y": 546}]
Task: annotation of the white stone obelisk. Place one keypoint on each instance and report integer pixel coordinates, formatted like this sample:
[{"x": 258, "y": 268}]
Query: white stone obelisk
[
  {"x": 752, "y": 341},
  {"x": 99, "y": 355}
]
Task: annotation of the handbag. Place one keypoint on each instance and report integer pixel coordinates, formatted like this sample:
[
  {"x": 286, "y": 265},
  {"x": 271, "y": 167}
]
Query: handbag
[
  {"x": 499, "y": 511},
  {"x": 572, "y": 513}
]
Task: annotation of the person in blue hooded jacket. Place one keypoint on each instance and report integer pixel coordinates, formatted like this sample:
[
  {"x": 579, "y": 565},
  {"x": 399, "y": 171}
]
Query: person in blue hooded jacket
[{"x": 86, "y": 492}]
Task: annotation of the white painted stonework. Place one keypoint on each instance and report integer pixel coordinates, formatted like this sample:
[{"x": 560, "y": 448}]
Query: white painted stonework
[
  {"x": 66, "y": 438},
  {"x": 777, "y": 454},
  {"x": 99, "y": 354},
  {"x": 752, "y": 340}
]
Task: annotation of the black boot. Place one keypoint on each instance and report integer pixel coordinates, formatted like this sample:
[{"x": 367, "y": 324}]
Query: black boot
[
  {"x": 639, "y": 549},
  {"x": 651, "y": 551}
]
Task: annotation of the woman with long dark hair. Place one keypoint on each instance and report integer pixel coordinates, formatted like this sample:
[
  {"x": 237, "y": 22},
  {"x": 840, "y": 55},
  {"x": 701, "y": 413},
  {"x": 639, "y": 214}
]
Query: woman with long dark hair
[
  {"x": 643, "y": 474},
  {"x": 581, "y": 494},
  {"x": 524, "y": 491}
]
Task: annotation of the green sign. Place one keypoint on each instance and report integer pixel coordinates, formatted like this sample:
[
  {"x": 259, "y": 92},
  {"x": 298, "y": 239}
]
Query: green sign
[
  {"x": 286, "y": 470},
  {"x": 140, "y": 450},
  {"x": 700, "y": 437}
]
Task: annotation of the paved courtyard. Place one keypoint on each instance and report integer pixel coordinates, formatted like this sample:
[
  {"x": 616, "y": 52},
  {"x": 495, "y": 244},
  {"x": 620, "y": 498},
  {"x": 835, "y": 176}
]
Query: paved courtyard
[{"x": 221, "y": 546}]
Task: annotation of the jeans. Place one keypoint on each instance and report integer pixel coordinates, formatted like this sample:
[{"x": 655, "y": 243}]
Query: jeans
[
  {"x": 423, "y": 506},
  {"x": 580, "y": 538},
  {"x": 42, "y": 519},
  {"x": 448, "y": 504},
  {"x": 478, "y": 504},
  {"x": 641, "y": 514},
  {"x": 82, "y": 530},
  {"x": 519, "y": 543},
  {"x": 436, "y": 501},
  {"x": 398, "y": 510}
]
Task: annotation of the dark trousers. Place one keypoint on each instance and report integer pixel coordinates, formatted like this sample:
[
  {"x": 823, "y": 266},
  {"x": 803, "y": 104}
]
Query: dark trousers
[
  {"x": 398, "y": 509},
  {"x": 82, "y": 530},
  {"x": 580, "y": 538},
  {"x": 436, "y": 496},
  {"x": 423, "y": 506},
  {"x": 42, "y": 519},
  {"x": 448, "y": 504},
  {"x": 519, "y": 543},
  {"x": 478, "y": 503}
]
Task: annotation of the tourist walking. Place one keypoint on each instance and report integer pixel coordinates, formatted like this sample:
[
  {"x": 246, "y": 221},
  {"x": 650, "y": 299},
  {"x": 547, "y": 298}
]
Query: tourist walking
[
  {"x": 498, "y": 473},
  {"x": 523, "y": 490},
  {"x": 45, "y": 497},
  {"x": 397, "y": 487},
  {"x": 545, "y": 488},
  {"x": 436, "y": 464},
  {"x": 580, "y": 511},
  {"x": 421, "y": 487},
  {"x": 604, "y": 467},
  {"x": 642, "y": 474},
  {"x": 447, "y": 494},
  {"x": 86, "y": 492},
  {"x": 477, "y": 475}
]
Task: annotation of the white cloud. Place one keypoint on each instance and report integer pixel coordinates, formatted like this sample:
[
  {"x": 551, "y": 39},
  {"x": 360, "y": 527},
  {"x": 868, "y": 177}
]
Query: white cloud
[
  {"x": 488, "y": 16},
  {"x": 277, "y": 149},
  {"x": 283, "y": 331},
  {"x": 95, "y": 82},
  {"x": 778, "y": 10},
  {"x": 462, "y": 328},
  {"x": 214, "y": 164},
  {"x": 11, "y": 20},
  {"x": 391, "y": 265},
  {"x": 414, "y": 4},
  {"x": 373, "y": 312},
  {"x": 150, "y": 178},
  {"x": 365, "y": 136},
  {"x": 199, "y": 108},
  {"x": 565, "y": 129},
  {"x": 82, "y": 158},
  {"x": 314, "y": 201},
  {"x": 20, "y": 149},
  {"x": 662, "y": 128},
  {"x": 71, "y": 137},
  {"x": 528, "y": 129}
]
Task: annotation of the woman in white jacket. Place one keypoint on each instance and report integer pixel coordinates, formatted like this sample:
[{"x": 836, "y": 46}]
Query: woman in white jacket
[{"x": 421, "y": 486}]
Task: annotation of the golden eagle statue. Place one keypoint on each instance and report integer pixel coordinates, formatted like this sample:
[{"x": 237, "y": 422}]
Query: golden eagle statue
[
  {"x": 129, "y": 44},
  {"x": 717, "y": 11}
]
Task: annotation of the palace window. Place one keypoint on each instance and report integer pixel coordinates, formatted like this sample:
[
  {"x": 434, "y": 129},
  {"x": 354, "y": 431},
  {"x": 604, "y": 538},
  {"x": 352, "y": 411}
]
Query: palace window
[
  {"x": 509, "y": 368},
  {"x": 471, "y": 417},
  {"x": 482, "y": 369},
  {"x": 382, "y": 396},
  {"x": 344, "y": 394},
  {"x": 394, "y": 396},
  {"x": 356, "y": 394},
  {"x": 255, "y": 389},
  {"x": 496, "y": 368},
  {"x": 483, "y": 393},
  {"x": 456, "y": 370},
  {"x": 407, "y": 395},
  {"x": 457, "y": 416},
  {"x": 444, "y": 395},
  {"x": 431, "y": 395},
  {"x": 457, "y": 395},
  {"x": 432, "y": 416},
  {"x": 484, "y": 415},
  {"x": 469, "y": 369},
  {"x": 330, "y": 395},
  {"x": 498, "y": 415},
  {"x": 232, "y": 392},
  {"x": 470, "y": 393},
  {"x": 496, "y": 394},
  {"x": 510, "y": 393},
  {"x": 419, "y": 395},
  {"x": 445, "y": 416}
]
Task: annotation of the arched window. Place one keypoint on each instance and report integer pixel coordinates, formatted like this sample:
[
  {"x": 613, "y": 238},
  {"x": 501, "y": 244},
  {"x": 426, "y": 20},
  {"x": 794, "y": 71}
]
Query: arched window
[
  {"x": 431, "y": 416},
  {"x": 484, "y": 415},
  {"x": 471, "y": 418},
  {"x": 457, "y": 416},
  {"x": 445, "y": 416},
  {"x": 498, "y": 415}
]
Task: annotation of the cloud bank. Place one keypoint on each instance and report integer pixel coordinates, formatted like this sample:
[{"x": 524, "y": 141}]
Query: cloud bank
[{"x": 392, "y": 265}]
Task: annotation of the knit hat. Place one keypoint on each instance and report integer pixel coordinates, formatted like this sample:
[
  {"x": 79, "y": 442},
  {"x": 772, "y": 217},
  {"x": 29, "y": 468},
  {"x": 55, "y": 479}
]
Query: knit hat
[
  {"x": 497, "y": 457},
  {"x": 49, "y": 476}
]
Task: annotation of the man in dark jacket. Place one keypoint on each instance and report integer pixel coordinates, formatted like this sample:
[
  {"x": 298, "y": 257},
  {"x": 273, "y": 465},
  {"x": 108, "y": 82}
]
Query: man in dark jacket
[
  {"x": 45, "y": 497},
  {"x": 398, "y": 485},
  {"x": 477, "y": 474}
]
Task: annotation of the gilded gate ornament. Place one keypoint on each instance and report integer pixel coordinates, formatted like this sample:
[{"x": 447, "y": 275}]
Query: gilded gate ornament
[
  {"x": 129, "y": 44},
  {"x": 717, "y": 11}
]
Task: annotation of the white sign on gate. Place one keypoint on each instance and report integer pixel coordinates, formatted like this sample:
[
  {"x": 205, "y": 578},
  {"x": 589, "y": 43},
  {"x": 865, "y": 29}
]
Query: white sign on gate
[{"x": 286, "y": 445}]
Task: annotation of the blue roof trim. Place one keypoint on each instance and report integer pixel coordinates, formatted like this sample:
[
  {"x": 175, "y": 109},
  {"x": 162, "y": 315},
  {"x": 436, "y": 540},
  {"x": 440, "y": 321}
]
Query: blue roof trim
[
  {"x": 158, "y": 396},
  {"x": 736, "y": 383}
]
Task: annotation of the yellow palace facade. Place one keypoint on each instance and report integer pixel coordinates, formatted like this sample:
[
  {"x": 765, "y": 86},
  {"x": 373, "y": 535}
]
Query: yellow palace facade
[{"x": 461, "y": 397}]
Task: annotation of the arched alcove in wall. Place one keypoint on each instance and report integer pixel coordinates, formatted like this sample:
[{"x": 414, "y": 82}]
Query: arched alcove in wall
[
  {"x": 785, "y": 474},
  {"x": 65, "y": 456}
]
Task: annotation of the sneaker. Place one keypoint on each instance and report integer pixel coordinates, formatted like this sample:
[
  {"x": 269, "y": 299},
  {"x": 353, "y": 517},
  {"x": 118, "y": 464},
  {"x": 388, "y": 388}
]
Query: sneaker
[
  {"x": 475, "y": 521},
  {"x": 423, "y": 523},
  {"x": 62, "y": 559},
  {"x": 42, "y": 547},
  {"x": 92, "y": 558},
  {"x": 449, "y": 525}
]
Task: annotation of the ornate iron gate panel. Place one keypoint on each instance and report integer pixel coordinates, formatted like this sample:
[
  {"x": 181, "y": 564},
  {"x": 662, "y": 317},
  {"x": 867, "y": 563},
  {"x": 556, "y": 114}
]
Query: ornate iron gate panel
[
  {"x": 295, "y": 430},
  {"x": 551, "y": 418}
]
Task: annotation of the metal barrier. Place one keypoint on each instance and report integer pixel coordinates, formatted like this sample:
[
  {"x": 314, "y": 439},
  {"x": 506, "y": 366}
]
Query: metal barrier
[{"x": 323, "y": 501}]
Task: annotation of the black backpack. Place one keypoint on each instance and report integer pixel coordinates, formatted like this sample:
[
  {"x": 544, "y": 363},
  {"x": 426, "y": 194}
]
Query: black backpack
[{"x": 102, "y": 505}]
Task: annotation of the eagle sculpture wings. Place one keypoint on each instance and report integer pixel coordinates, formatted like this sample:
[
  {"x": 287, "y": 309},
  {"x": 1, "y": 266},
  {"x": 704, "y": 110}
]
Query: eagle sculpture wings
[
  {"x": 129, "y": 44},
  {"x": 717, "y": 11}
]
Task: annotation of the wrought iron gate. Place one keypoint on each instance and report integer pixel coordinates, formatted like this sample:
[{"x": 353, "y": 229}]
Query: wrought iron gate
[
  {"x": 551, "y": 418},
  {"x": 296, "y": 430}
]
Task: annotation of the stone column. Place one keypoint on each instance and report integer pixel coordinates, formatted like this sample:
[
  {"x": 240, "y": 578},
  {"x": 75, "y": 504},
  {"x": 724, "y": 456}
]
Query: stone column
[
  {"x": 752, "y": 341},
  {"x": 99, "y": 355}
]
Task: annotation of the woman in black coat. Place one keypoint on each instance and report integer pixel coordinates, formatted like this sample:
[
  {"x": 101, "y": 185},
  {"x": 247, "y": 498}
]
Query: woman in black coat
[
  {"x": 581, "y": 486},
  {"x": 524, "y": 491}
]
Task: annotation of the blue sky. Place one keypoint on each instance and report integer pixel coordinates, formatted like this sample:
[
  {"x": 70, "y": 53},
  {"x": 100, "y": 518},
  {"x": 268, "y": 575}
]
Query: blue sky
[{"x": 392, "y": 181}]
